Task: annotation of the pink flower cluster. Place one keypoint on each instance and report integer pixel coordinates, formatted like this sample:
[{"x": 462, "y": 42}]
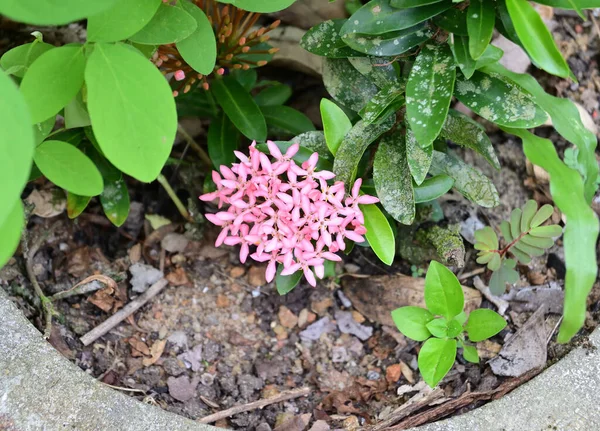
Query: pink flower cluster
[{"x": 288, "y": 214}]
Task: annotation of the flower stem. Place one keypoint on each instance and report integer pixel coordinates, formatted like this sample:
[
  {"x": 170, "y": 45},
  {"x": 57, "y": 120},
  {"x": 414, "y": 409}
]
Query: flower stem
[{"x": 180, "y": 206}]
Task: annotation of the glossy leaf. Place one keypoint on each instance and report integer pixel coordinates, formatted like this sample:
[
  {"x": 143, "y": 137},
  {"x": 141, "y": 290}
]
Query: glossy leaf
[
  {"x": 463, "y": 58},
  {"x": 121, "y": 86},
  {"x": 21, "y": 57},
  {"x": 170, "y": 24},
  {"x": 438, "y": 328},
  {"x": 76, "y": 114},
  {"x": 468, "y": 180},
  {"x": 380, "y": 71},
  {"x": 419, "y": 159},
  {"x": 287, "y": 119},
  {"x": 49, "y": 12},
  {"x": 483, "y": 324},
  {"x": 222, "y": 141},
  {"x": 385, "y": 103},
  {"x": 453, "y": 21},
  {"x": 241, "y": 109},
  {"x": 429, "y": 92},
  {"x": 502, "y": 102},
  {"x": 470, "y": 354},
  {"x": 247, "y": 78},
  {"x": 433, "y": 188},
  {"x": 336, "y": 124},
  {"x": 347, "y": 85},
  {"x": 76, "y": 204},
  {"x": 274, "y": 95},
  {"x": 286, "y": 283},
  {"x": 405, "y": 4},
  {"x": 392, "y": 179},
  {"x": 10, "y": 229},
  {"x": 52, "y": 81},
  {"x": 436, "y": 358},
  {"x": 122, "y": 20},
  {"x": 462, "y": 130},
  {"x": 388, "y": 44},
  {"x": 412, "y": 322},
  {"x": 115, "y": 201},
  {"x": 261, "y": 6},
  {"x": 481, "y": 16},
  {"x": 443, "y": 293},
  {"x": 324, "y": 39},
  {"x": 379, "y": 233},
  {"x": 199, "y": 49},
  {"x": 68, "y": 168},
  {"x": 43, "y": 129},
  {"x": 571, "y": 4}
]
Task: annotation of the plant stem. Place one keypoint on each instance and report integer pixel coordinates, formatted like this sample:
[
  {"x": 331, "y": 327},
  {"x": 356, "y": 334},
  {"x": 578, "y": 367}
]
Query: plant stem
[
  {"x": 192, "y": 143},
  {"x": 180, "y": 206}
]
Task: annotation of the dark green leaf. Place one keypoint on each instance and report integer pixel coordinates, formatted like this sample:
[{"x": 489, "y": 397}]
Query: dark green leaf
[
  {"x": 453, "y": 21},
  {"x": 379, "y": 233},
  {"x": 49, "y": 12},
  {"x": 22, "y": 56},
  {"x": 222, "y": 141},
  {"x": 76, "y": 204},
  {"x": 380, "y": 70},
  {"x": 462, "y": 55},
  {"x": 484, "y": 324},
  {"x": 274, "y": 95},
  {"x": 288, "y": 119},
  {"x": 433, "y": 188},
  {"x": 115, "y": 201},
  {"x": 324, "y": 39},
  {"x": 10, "y": 229},
  {"x": 385, "y": 103},
  {"x": 419, "y": 159},
  {"x": 412, "y": 322},
  {"x": 122, "y": 20},
  {"x": 286, "y": 283},
  {"x": 247, "y": 78},
  {"x": 481, "y": 16},
  {"x": 443, "y": 293},
  {"x": 405, "y": 4},
  {"x": 346, "y": 84},
  {"x": 336, "y": 124},
  {"x": 199, "y": 49},
  {"x": 170, "y": 24},
  {"x": 388, "y": 44},
  {"x": 436, "y": 358}
]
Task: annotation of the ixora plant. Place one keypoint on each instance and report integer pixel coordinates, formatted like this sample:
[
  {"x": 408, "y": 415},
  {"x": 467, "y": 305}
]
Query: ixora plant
[
  {"x": 396, "y": 66},
  {"x": 443, "y": 323}
]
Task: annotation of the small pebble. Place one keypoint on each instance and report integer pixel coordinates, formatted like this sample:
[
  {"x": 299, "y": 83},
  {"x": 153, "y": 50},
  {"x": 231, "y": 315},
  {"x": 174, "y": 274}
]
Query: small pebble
[{"x": 373, "y": 375}]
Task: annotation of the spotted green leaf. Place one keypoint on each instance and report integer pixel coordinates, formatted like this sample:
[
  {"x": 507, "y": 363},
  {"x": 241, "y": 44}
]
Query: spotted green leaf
[
  {"x": 10, "y": 230},
  {"x": 388, "y": 44},
  {"x": 463, "y": 58},
  {"x": 385, "y": 103},
  {"x": 336, "y": 124},
  {"x": 122, "y": 20},
  {"x": 324, "y": 39},
  {"x": 315, "y": 142},
  {"x": 436, "y": 358},
  {"x": 412, "y": 322},
  {"x": 453, "y": 21},
  {"x": 21, "y": 57},
  {"x": 346, "y": 84},
  {"x": 222, "y": 141},
  {"x": 199, "y": 49},
  {"x": 76, "y": 204},
  {"x": 468, "y": 180},
  {"x": 380, "y": 70},
  {"x": 49, "y": 12},
  {"x": 115, "y": 201},
  {"x": 419, "y": 159},
  {"x": 481, "y": 16},
  {"x": 502, "y": 102},
  {"x": 432, "y": 188},
  {"x": 170, "y": 24},
  {"x": 379, "y": 233}
]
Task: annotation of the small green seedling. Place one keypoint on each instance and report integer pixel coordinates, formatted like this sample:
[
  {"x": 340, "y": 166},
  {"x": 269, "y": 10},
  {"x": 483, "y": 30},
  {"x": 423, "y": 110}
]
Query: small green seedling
[{"x": 443, "y": 323}]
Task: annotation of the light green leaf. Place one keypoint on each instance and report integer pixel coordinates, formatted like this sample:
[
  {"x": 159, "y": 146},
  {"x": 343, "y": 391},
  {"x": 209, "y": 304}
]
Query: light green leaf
[
  {"x": 468, "y": 180},
  {"x": 470, "y": 354},
  {"x": 49, "y": 12},
  {"x": 16, "y": 147},
  {"x": 347, "y": 85},
  {"x": 464, "y": 131},
  {"x": 481, "y": 16},
  {"x": 499, "y": 101},
  {"x": 199, "y": 49},
  {"x": 22, "y": 56},
  {"x": 115, "y": 201},
  {"x": 551, "y": 231},
  {"x": 286, "y": 283},
  {"x": 122, "y": 20},
  {"x": 336, "y": 124},
  {"x": 537, "y": 39},
  {"x": 53, "y": 80},
  {"x": 438, "y": 327},
  {"x": 385, "y": 103},
  {"x": 433, "y": 188},
  {"x": 261, "y": 6},
  {"x": 443, "y": 293},
  {"x": 529, "y": 211},
  {"x": 170, "y": 24},
  {"x": 392, "y": 179},
  {"x": 436, "y": 358},
  {"x": 287, "y": 119},
  {"x": 491, "y": 55},
  {"x": 352, "y": 148},
  {"x": 222, "y": 141},
  {"x": 239, "y": 106},
  {"x": 43, "y": 129},
  {"x": 412, "y": 321},
  {"x": 463, "y": 58},
  {"x": 324, "y": 39},
  {"x": 122, "y": 85},
  {"x": 571, "y": 4},
  {"x": 76, "y": 204},
  {"x": 388, "y": 44},
  {"x": 429, "y": 92},
  {"x": 487, "y": 236},
  {"x": 454, "y": 328},
  {"x": 506, "y": 274},
  {"x": 76, "y": 114},
  {"x": 419, "y": 159},
  {"x": 484, "y": 324},
  {"x": 10, "y": 230},
  {"x": 68, "y": 168},
  {"x": 580, "y": 234},
  {"x": 275, "y": 95},
  {"x": 379, "y": 233}
]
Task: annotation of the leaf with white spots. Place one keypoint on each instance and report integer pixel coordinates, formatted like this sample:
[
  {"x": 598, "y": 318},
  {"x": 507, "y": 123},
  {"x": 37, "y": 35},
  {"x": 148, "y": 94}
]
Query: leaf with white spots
[
  {"x": 453, "y": 21},
  {"x": 378, "y": 17},
  {"x": 379, "y": 70},
  {"x": 384, "y": 104},
  {"x": 419, "y": 159},
  {"x": 346, "y": 84},
  {"x": 392, "y": 43},
  {"x": 469, "y": 181},
  {"x": 405, "y": 4},
  {"x": 465, "y": 132},
  {"x": 500, "y": 101},
  {"x": 392, "y": 179},
  {"x": 429, "y": 92},
  {"x": 324, "y": 39},
  {"x": 481, "y": 16}
]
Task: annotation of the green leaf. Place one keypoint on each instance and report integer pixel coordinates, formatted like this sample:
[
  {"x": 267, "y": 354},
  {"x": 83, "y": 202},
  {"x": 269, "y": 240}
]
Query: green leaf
[
  {"x": 388, "y": 44},
  {"x": 433, "y": 188},
  {"x": 453, "y": 328},
  {"x": 453, "y": 21},
  {"x": 324, "y": 39},
  {"x": 22, "y": 56},
  {"x": 406, "y": 4},
  {"x": 76, "y": 114},
  {"x": 43, "y": 129},
  {"x": 419, "y": 159},
  {"x": 288, "y": 119},
  {"x": 537, "y": 39},
  {"x": 438, "y": 327},
  {"x": 379, "y": 233},
  {"x": 460, "y": 318},
  {"x": 315, "y": 142},
  {"x": 347, "y": 85},
  {"x": 412, "y": 322},
  {"x": 380, "y": 71},
  {"x": 385, "y": 103},
  {"x": 76, "y": 204},
  {"x": 336, "y": 124},
  {"x": 571, "y": 4},
  {"x": 506, "y": 274},
  {"x": 436, "y": 358},
  {"x": 222, "y": 141},
  {"x": 53, "y": 80},
  {"x": 121, "y": 21},
  {"x": 199, "y": 49},
  {"x": 378, "y": 17},
  {"x": 241, "y": 109},
  {"x": 274, "y": 95},
  {"x": 581, "y": 230},
  {"x": 491, "y": 55},
  {"x": 16, "y": 147},
  {"x": 10, "y": 230},
  {"x": 533, "y": 241},
  {"x": 501, "y": 102},
  {"x": 515, "y": 222},
  {"x": 505, "y": 229},
  {"x": 481, "y": 17},
  {"x": 487, "y": 237},
  {"x": 468, "y": 180},
  {"x": 392, "y": 179},
  {"x": 463, "y": 58},
  {"x": 429, "y": 92},
  {"x": 246, "y": 78},
  {"x": 529, "y": 211},
  {"x": 484, "y": 324},
  {"x": 69, "y": 168},
  {"x": 170, "y": 24},
  {"x": 543, "y": 214},
  {"x": 546, "y": 231},
  {"x": 443, "y": 293},
  {"x": 115, "y": 201},
  {"x": 352, "y": 148},
  {"x": 286, "y": 283},
  {"x": 49, "y": 12},
  {"x": 470, "y": 354},
  {"x": 261, "y": 6},
  {"x": 566, "y": 120},
  {"x": 121, "y": 87}
]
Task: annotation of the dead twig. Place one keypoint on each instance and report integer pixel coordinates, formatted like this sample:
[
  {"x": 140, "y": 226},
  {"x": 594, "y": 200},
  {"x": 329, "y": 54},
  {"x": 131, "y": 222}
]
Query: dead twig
[
  {"x": 86, "y": 286},
  {"x": 195, "y": 146},
  {"x": 284, "y": 396},
  {"x": 408, "y": 408},
  {"x": 500, "y": 303},
  {"x": 125, "y": 312},
  {"x": 470, "y": 274}
]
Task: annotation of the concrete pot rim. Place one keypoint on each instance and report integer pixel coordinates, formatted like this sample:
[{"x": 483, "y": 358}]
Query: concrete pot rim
[{"x": 40, "y": 389}]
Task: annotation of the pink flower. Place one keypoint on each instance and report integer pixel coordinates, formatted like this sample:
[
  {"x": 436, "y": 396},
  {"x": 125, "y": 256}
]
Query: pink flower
[{"x": 283, "y": 213}]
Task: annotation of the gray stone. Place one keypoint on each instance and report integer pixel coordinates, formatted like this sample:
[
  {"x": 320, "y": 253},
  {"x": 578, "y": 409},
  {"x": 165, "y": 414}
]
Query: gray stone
[
  {"x": 348, "y": 325},
  {"x": 143, "y": 276},
  {"x": 174, "y": 243}
]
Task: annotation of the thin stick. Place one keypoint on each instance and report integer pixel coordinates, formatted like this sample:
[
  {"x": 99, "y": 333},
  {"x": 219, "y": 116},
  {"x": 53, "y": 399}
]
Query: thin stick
[
  {"x": 471, "y": 274},
  {"x": 180, "y": 206},
  {"x": 284, "y": 396},
  {"x": 119, "y": 388},
  {"x": 500, "y": 303},
  {"x": 191, "y": 141},
  {"x": 124, "y": 313}
]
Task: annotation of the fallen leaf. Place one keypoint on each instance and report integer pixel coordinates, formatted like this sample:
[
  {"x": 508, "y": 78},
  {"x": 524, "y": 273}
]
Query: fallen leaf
[
  {"x": 392, "y": 373},
  {"x": 156, "y": 351},
  {"x": 178, "y": 277},
  {"x": 48, "y": 203},
  {"x": 138, "y": 347},
  {"x": 110, "y": 298},
  {"x": 135, "y": 253}
]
